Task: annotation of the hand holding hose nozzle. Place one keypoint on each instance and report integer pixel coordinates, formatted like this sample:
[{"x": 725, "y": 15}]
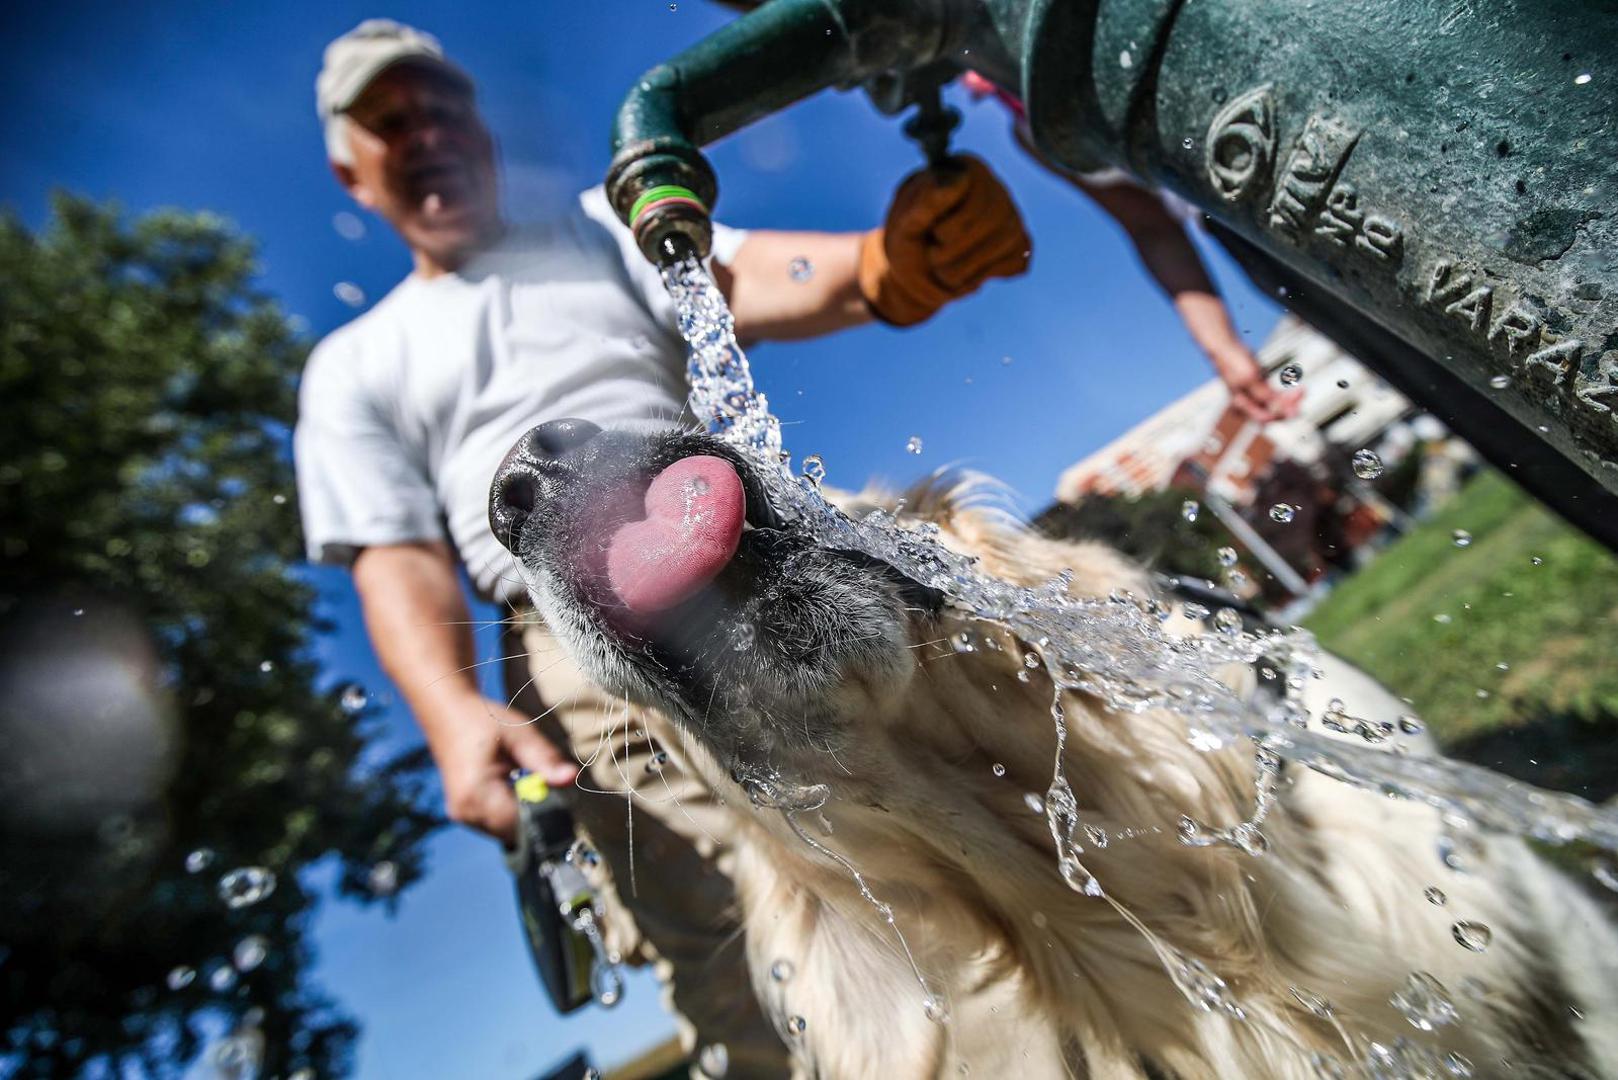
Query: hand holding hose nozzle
[{"x": 561, "y": 914}]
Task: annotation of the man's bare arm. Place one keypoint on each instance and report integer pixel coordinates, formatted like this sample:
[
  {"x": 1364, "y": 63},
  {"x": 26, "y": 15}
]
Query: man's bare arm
[
  {"x": 770, "y": 304},
  {"x": 1172, "y": 260},
  {"x": 417, "y": 619}
]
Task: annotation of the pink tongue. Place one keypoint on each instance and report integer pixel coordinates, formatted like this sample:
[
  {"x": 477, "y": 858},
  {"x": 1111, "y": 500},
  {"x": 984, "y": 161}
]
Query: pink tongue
[{"x": 694, "y": 514}]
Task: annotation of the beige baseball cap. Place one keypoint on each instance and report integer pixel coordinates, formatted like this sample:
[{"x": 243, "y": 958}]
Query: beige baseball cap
[{"x": 359, "y": 56}]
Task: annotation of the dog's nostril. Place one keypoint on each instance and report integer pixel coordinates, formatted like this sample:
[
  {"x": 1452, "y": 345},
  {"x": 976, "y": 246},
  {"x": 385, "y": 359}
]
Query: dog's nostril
[
  {"x": 518, "y": 492},
  {"x": 512, "y": 500},
  {"x": 554, "y": 438}
]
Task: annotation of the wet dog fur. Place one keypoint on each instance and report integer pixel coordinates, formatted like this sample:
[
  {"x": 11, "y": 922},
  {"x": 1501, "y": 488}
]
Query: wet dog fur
[{"x": 850, "y": 681}]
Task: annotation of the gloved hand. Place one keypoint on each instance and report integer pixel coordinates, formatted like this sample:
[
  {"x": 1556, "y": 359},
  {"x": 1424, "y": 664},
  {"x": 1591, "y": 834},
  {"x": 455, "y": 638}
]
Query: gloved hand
[{"x": 947, "y": 232}]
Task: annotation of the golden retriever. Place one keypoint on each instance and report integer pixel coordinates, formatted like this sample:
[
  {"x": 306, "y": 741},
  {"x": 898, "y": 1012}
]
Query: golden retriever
[{"x": 904, "y": 912}]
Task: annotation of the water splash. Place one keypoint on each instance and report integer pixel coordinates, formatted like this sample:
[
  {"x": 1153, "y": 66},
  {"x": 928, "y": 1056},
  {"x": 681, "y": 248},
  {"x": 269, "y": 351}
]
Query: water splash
[{"x": 1116, "y": 649}]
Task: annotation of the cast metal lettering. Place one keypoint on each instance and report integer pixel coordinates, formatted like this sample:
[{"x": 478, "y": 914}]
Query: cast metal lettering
[
  {"x": 1473, "y": 307},
  {"x": 1343, "y": 223},
  {"x": 1240, "y": 147},
  {"x": 1340, "y": 220},
  {"x": 1445, "y": 284},
  {"x": 1519, "y": 328},
  {"x": 1594, "y": 389},
  {"x": 1309, "y": 172},
  {"x": 1557, "y": 359},
  {"x": 1382, "y": 237}
]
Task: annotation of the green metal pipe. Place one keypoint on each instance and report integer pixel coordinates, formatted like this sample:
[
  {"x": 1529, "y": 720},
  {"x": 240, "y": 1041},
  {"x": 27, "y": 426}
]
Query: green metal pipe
[
  {"x": 764, "y": 61},
  {"x": 1446, "y": 174}
]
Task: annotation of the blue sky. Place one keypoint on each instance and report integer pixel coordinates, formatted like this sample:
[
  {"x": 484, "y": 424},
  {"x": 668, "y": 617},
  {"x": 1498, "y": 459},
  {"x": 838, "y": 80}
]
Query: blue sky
[{"x": 209, "y": 105}]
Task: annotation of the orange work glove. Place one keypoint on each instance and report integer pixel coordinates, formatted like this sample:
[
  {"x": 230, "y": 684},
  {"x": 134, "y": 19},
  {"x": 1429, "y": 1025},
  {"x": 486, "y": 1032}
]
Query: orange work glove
[{"x": 948, "y": 231}]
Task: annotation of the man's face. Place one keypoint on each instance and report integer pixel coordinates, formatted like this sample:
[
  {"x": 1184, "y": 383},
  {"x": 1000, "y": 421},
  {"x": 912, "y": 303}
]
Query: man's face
[{"x": 424, "y": 161}]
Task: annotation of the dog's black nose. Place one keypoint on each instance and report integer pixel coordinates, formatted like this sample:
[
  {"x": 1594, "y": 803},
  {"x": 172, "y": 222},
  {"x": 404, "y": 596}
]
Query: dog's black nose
[
  {"x": 554, "y": 438},
  {"x": 517, "y": 481}
]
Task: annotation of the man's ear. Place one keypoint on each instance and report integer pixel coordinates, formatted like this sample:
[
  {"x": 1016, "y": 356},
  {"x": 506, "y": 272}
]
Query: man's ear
[{"x": 360, "y": 191}]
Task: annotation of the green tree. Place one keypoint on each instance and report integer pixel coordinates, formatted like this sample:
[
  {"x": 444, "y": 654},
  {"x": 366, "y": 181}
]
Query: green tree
[
  {"x": 146, "y": 393},
  {"x": 1151, "y": 528}
]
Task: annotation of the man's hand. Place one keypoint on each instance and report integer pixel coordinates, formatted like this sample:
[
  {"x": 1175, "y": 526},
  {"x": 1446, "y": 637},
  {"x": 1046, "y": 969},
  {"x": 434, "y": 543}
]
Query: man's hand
[
  {"x": 947, "y": 232},
  {"x": 476, "y": 748},
  {"x": 1252, "y": 394}
]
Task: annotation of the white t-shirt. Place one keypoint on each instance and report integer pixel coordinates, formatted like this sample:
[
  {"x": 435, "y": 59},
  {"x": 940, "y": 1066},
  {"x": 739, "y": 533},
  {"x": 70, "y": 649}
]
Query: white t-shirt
[{"x": 404, "y": 413}]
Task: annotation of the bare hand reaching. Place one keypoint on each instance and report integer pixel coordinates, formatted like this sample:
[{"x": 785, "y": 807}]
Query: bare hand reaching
[{"x": 476, "y": 750}]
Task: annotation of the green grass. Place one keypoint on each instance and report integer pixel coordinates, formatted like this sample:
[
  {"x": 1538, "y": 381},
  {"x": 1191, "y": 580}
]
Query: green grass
[{"x": 1555, "y": 625}]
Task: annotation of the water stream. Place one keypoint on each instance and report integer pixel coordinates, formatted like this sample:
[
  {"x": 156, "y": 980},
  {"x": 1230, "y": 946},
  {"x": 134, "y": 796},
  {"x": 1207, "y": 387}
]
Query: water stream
[{"x": 1114, "y": 648}]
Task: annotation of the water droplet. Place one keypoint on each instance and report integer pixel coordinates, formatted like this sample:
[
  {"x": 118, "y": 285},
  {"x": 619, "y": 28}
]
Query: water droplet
[
  {"x": 1537, "y": 561},
  {"x": 1283, "y": 512},
  {"x": 1034, "y": 803},
  {"x": 383, "y": 880},
  {"x": 1316, "y": 1004},
  {"x": 1367, "y": 466},
  {"x": 1326, "y": 1067},
  {"x": 246, "y": 886},
  {"x": 354, "y": 699},
  {"x": 998, "y": 769},
  {"x": 1291, "y": 375},
  {"x": 222, "y": 978},
  {"x": 1342, "y": 384},
  {"x": 796, "y": 1025},
  {"x": 1444, "y": 618},
  {"x": 1581, "y": 79},
  {"x": 800, "y": 269},
  {"x": 1126, "y": 61},
  {"x": 266, "y": 666},
  {"x": 656, "y": 762},
  {"x": 1424, "y": 1002},
  {"x": 1227, "y": 556},
  {"x": 199, "y": 860},
  {"x": 580, "y": 853},
  {"x": 1030, "y": 660},
  {"x": 935, "y": 1010},
  {"x": 1410, "y": 725},
  {"x": 1190, "y": 509},
  {"x": 250, "y": 952},
  {"x": 743, "y": 636},
  {"x": 181, "y": 977},
  {"x": 348, "y": 225},
  {"x": 1435, "y": 896},
  {"x": 1462, "y": 538},
  {"x": 1228, "y": 621},
  {"x": 714, "y": 1061},
  {"x": 814, "y": 467},
  {"x": 913, "y": 444},
  {"x": 77, "y": 612},
  {"x": 349, "y": 293},
  {"x": 1606, "y": 873},
  {"x": 674, "y": 7},
  {"x": 1457, "y": 1064},
  {"x": 782, "y": 970},
  {"x": 1500, "y": 382},
  {"x": 1472, "y": 935}
]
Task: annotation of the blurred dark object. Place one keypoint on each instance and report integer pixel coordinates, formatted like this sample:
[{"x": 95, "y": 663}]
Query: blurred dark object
[
  {"x": 561, "y": 916},
  {"x": 1151, "y": 528},
  {"x": 159, "y": 698}
]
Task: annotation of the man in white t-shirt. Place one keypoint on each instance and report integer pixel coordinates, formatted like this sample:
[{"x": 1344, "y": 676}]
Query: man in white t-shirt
[{"x": 405, "y": 413}]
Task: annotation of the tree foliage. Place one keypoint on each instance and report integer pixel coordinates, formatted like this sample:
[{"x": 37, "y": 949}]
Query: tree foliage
[
  {"x": 1150, "y": 528},
  {"x": 146, "y": 393}
]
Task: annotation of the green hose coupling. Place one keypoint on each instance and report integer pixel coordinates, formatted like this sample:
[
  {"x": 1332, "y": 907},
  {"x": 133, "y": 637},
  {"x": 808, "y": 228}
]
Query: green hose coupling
[{"x": 665, "y": 194}]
